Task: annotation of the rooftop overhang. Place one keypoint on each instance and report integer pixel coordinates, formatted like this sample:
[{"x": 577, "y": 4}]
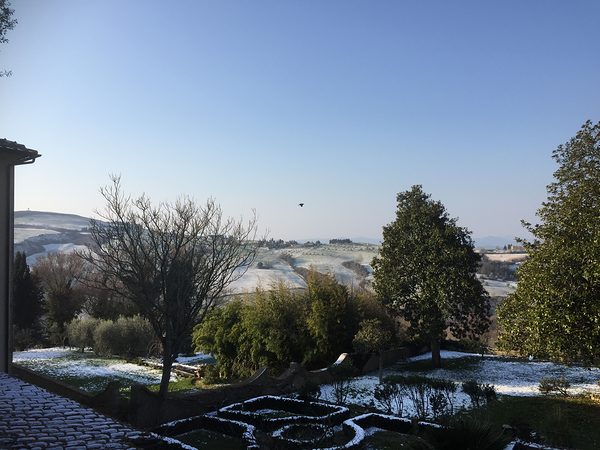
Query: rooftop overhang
[
  {"x": 14, "y": 154},
  {"x": 11, "y": 154}
]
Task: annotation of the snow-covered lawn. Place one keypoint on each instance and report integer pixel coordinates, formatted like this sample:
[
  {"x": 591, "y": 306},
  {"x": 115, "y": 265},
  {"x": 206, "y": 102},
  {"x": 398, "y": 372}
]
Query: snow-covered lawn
[
  {"x": 85, "y": 370},
  {"x": 509, "y": 376}
]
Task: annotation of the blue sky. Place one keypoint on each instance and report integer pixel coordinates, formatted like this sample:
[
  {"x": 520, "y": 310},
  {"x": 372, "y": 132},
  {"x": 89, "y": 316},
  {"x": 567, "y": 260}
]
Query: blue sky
[{"x": 265, "y": 104}]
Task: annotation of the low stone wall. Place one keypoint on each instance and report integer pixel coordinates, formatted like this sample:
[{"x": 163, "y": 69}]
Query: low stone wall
[{"x": 147, "y": 411}]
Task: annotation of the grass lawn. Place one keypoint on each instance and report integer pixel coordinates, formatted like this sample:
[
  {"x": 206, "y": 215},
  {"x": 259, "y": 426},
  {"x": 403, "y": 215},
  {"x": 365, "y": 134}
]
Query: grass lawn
[
  {"x": 184, "y": 384},
  {"x": 572, "y": 422}
]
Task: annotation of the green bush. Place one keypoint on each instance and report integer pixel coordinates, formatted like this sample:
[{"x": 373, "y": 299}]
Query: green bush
[
  {"x": 554, "y": 386},
  {"x": 479, "y": 394},
  {"x": 390, "y": 397},
  {"x": 127, "y": 337},
  {"x": 276, "y": 327},
  {"x": 430, "y": 397},
  {"x": 468, "y": 433},
  {"x": 81, "y": 332},
  {"x": 341, "y": 375}
]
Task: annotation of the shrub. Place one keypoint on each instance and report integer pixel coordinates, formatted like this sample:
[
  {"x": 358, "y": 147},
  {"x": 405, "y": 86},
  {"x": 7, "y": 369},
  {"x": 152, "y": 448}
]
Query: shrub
[
  {"x": 551, "y": 385},
  {"x": 429, "y": 397},
  {"x": 439, "y": 404},
  {"x": 390, "y": 397},
  {"x": 211, "y": 374},
  {"x": 418, "y": 390},
  {"x": 479, "y": 394},
  {"x": 447, "y": 389},
  {"x": 309, "y": 391},
  {"x": 81, "y": 332},
  {"x": 468, "y": 433},
  {"x": 128, "y": 337},
  {"x": 342, "y": 384}
]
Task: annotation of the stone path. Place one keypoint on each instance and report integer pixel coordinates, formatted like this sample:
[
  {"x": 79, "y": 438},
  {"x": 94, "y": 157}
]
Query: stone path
[{"x": 33, "y": 418}]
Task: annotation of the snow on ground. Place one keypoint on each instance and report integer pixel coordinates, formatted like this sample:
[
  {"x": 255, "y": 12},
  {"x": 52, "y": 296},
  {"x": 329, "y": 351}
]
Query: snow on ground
[
  {"x": 509, "y": 376},
  {"x": 266, "y": 278},
  {"x": 498, "y": 288},
  {"x": 198, "y": 358},
  {"x": 506, "y": 257},
  {"x": 41, "y": 353},
  {"x": 92, "y": 372},
  {"x": 51, "y": 220},
  {"x": 54, "y": 248},
  {"x": 516, "y": 377},
  {"x": 21, "y": 234},
  {"x": 327, "y": 258}
]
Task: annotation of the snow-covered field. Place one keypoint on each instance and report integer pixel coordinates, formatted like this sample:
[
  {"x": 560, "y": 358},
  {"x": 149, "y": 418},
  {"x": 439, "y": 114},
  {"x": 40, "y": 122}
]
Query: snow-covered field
[
  {"x": 54, "y": 248},
  {"x": 25, "y": 233},
  {"x": 85, "y": 370},
  {"x": 91, "y": 372},
  {"x": 507, "y": 257},
  {"x": 325, "y": 259},
  {"x": 498, "y": 288},
  {"x": 50, "y": 220},
  {"x": 509, "y": 376},
  {"x": 39, "y": 233}
]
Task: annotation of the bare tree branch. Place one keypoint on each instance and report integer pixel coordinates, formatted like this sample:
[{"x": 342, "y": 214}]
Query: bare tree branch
[{"x": 172, "y": 260}]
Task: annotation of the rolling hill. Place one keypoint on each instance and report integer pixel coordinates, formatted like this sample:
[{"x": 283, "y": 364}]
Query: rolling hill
[{"x": 39, "y": 233}]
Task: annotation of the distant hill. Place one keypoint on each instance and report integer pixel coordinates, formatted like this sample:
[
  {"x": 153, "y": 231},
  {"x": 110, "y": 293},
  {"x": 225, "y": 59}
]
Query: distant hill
[
  {"x": 50, "y": 220},
  {"x": 37, "y": 233}
]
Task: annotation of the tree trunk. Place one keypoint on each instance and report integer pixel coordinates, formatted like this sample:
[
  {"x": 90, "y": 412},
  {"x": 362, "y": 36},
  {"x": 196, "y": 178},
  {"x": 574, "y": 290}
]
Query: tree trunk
[
  {"x": 380, "y": 366},
  {"x": 166, "y": 371},
  {"x": 436, "y": 359}
]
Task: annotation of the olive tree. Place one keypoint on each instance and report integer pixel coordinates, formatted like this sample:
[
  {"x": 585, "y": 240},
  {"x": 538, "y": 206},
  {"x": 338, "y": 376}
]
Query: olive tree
[{"x": 172, "y": 260}]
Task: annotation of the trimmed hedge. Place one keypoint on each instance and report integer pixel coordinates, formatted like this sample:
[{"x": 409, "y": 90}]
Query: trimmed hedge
[{"x": 308, "y": 412}]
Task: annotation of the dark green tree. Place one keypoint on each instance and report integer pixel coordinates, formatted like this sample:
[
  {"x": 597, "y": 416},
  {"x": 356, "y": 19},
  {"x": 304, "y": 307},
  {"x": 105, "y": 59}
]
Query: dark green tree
[
  {"x": 60, "y": 274},
  {"x": 425, "y": 273},
  {"x": 28, "y": 297},
  {"x": 222, "y": 333},
  {"x": 276, "y": 327},
  {"x": 332, "y": 318},
  {"x": 555, "y": 311},
  {"x": 372, "y": 336}
]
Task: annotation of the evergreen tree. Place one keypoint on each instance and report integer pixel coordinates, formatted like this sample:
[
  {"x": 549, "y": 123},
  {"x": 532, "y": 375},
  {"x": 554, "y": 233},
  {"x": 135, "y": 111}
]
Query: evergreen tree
[
  {"x": 425, "y": 272},
  {"x": 28, "y": 296},
  {"x": 555, "y": 311},
  {"x": 332, "y": 318}
]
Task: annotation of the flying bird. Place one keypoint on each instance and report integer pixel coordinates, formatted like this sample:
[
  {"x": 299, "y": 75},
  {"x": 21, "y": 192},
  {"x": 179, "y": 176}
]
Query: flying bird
[{"x": 300, "y": 205}]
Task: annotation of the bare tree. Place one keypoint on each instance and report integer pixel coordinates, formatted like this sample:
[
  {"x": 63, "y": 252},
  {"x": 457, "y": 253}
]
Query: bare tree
[{"x": 172, "y": 260}]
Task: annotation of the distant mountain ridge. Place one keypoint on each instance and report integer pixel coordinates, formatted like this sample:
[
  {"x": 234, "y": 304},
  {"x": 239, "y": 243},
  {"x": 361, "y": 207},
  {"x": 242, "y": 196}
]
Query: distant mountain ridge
[{"x": 50, "y": 220}]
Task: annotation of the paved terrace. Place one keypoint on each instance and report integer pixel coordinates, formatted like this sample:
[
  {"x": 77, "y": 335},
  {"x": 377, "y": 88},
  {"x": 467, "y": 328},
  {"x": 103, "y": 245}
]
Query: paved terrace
[{"x": 33, "y": 418}]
